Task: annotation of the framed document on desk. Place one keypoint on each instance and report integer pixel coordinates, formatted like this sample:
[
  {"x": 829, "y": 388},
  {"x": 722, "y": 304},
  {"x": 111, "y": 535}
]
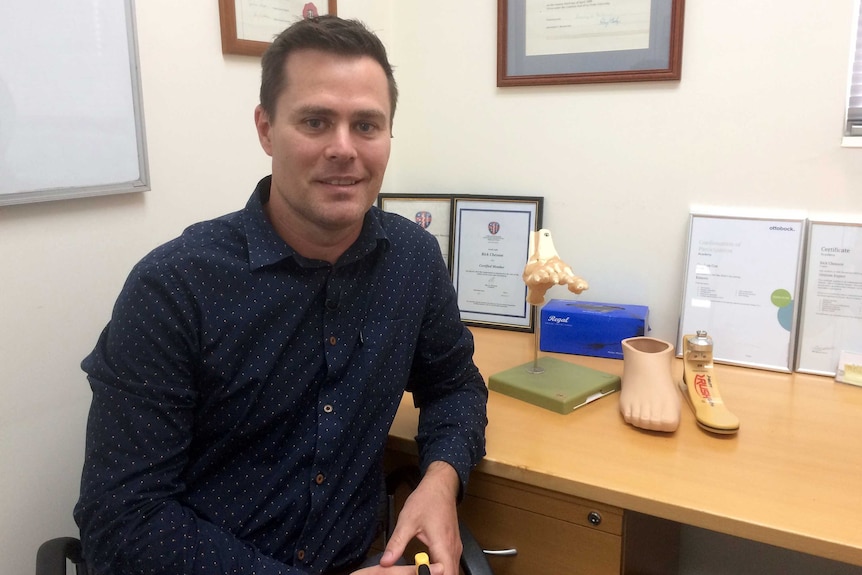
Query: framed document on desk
[
  {"x": 832, "y": 302},
  {"x": 742, "y": 286},
  {"x": 433, "y": 212},
  {"x": 491, "y": 242}
]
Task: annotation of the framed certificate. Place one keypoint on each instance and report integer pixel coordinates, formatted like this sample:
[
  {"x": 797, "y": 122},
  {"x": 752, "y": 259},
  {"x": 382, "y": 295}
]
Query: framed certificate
[
  {"x": 249, "y": 26},
  {"x": 431, "y": 211},
  {"x": 831, "y": 320},
  {"x": 742, "y": 282},
  {"x": 491, "y": 243},
  {"x": 542, "y": 42}
]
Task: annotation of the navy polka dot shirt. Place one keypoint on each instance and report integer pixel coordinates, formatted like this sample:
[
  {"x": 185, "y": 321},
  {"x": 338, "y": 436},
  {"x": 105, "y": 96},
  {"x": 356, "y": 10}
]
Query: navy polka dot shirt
[{"x": 242, "y": 396}]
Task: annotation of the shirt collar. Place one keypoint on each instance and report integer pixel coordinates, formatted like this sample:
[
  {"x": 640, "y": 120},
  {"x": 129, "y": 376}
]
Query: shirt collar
[{"x": 265, "y": 246}]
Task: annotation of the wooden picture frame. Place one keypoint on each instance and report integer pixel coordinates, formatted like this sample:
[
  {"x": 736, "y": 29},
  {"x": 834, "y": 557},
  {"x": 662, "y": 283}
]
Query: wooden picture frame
[
  {"x": 274, "y": 16},
  {"x": 579, "y": 42}
]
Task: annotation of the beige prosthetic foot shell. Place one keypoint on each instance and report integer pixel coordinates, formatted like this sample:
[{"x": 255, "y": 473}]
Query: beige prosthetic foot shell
[{"x": 648, "y": 398}]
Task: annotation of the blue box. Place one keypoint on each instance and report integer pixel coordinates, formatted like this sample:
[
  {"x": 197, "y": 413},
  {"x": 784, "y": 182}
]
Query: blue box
[{"x": 590, "y": 328}]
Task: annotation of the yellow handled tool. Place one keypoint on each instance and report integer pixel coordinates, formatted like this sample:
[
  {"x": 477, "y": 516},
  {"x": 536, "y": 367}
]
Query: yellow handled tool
[{"x": 422, "y": 562}]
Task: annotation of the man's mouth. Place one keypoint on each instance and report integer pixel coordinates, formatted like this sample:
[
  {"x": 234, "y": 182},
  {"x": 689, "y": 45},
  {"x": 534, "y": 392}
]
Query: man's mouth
[{"x": 340, "y": 181}]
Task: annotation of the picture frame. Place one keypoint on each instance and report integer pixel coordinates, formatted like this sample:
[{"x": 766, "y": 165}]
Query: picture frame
[
  {"x": 742, "y": 286},
  {"x": 248, "y": 26},
  {"x": 431, "y": 211},
  {"x": 577, "y": 42},
  {"x": 831, "y": 316},
  {"x": 490, "y": 247}
]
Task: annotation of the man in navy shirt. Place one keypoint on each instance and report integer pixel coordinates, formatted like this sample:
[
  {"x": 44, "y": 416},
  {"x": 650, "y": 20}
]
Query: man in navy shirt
[{"x": 244, "y": 387}]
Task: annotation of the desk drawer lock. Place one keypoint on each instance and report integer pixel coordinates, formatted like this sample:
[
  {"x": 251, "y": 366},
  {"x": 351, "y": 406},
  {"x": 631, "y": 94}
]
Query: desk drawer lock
[{"x": 595, "y": 518}]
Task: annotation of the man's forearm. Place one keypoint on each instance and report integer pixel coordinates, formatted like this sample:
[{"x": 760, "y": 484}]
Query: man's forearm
[{"x": 452, "y": 429}]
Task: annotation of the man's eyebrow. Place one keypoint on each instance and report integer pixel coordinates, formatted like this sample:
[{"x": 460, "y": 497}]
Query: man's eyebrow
[
  {"x": 314, "y": 111},
  {"x": 370, "y": 114},
  {"x": 364, "y": 114}
]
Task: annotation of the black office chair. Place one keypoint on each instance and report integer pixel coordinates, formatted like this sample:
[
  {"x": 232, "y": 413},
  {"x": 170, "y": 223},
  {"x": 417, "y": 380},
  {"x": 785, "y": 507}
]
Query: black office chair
[{"x": 53, "y": 555}]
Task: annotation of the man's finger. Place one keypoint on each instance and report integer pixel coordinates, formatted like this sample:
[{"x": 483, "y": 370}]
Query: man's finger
[{"x": 394, "y": 549}]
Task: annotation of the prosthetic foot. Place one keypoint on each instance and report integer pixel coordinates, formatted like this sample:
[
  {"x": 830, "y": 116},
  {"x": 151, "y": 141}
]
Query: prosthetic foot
[
  {"x": 700, "y": 387},
  {"x": 649, "y": 398}
]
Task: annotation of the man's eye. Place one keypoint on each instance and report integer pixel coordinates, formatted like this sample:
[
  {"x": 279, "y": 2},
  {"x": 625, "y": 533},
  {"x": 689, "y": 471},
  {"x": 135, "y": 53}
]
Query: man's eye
[
  {"x": 366, "y": 127},
  {"x": 314, "y": 123}
]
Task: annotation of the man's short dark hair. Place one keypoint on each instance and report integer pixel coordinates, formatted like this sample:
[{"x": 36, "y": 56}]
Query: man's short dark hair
[{"x": 327, "y": 34}]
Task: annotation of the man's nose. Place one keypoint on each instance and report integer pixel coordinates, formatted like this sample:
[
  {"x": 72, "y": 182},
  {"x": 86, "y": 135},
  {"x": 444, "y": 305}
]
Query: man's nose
[{"x": 341, "y": 145}]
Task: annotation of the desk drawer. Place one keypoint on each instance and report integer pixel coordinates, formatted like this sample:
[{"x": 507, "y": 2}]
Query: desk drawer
[{"x": 552, "y": 532}]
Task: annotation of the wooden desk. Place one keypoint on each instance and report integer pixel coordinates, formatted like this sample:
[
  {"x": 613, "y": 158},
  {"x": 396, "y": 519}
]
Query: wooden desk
[{"x": 791, "y": 477}]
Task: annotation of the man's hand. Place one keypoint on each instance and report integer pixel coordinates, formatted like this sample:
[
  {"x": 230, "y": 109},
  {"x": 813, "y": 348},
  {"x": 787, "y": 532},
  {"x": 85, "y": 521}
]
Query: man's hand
[{"x": 430, "y": 515}]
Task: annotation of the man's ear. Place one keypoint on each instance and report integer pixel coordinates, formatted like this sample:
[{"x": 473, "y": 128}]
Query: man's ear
[{"x": 261, "y": 122}]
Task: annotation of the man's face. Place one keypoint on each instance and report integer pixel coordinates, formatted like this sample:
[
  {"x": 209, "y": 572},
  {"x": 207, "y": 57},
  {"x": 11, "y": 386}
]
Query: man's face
[{"x": 329, "y": 142}]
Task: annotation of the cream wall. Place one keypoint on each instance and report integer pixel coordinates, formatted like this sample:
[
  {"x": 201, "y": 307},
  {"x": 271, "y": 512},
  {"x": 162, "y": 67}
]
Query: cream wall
[{"x": 755, "y": 122}]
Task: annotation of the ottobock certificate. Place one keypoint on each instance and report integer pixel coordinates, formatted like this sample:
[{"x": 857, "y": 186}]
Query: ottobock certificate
[
  {"x": 741, "y": 286},
  {"x": 491, "y": 246},
  {"x": 832, "y": 305}
]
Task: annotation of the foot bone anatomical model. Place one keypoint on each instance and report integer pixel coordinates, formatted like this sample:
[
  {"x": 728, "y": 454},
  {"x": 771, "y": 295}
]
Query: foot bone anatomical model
[{"x": 545, "y": 269}]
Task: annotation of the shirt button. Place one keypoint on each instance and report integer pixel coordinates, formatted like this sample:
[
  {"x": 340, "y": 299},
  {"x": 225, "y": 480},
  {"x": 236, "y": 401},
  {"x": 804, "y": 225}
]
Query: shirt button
[
  {"x": 327, "y": 408},
  {"x": 300, "y": 554},
  {"x": 332, "y": 340},
  {"x": 320, "y": 478},
  {"x": 331, "y": 304}
]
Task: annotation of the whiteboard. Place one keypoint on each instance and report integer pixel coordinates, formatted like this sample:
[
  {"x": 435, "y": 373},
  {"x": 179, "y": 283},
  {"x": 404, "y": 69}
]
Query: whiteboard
[{"x": 71, "y": 118}]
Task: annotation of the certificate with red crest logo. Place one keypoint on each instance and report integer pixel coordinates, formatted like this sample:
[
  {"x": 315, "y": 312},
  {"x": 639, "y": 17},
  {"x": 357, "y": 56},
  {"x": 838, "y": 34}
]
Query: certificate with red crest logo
[
  {"x": 490, "y": 249},
  {"x": 433, "y": 212}
]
